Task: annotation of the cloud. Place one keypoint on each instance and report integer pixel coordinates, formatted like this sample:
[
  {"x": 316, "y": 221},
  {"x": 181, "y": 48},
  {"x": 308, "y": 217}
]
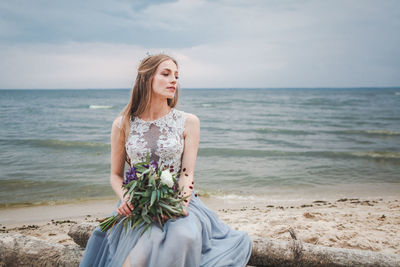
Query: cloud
[
  {"x": 244, "y": 64},
  {"x": 72, "y": 65},
  {"x": 222, "y": 43},
  {"x": 143, "y": 4}
]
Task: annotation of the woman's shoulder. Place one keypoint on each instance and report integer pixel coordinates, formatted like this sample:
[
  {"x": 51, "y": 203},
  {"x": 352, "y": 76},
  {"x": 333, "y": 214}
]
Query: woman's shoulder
[
  {"x": 192, "y": 119},
  {"x": 191, "y": 122},
  {"x": 188, "y": 117},
  {"x": 117, "y": 123},
  {"x": 191, "y": 125}
]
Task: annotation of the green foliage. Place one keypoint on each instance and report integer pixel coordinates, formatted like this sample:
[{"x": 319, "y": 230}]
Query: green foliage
[{"x": 152, "y": 200}]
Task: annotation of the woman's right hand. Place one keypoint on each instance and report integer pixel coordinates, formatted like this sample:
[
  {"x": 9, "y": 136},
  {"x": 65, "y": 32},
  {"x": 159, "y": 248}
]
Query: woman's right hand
[{"x": 125, "y": 208}]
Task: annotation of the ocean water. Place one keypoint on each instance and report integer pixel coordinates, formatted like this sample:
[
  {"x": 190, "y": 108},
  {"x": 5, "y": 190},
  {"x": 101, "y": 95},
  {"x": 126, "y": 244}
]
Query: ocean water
[{"x": 54, "y": 144}]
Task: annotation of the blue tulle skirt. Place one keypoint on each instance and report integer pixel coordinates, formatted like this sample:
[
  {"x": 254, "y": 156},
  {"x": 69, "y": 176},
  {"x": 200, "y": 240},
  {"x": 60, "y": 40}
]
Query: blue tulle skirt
[{"x": 199, "y": 239}]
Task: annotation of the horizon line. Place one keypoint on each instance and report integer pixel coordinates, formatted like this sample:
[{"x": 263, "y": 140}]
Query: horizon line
[{"x": 220, "y": 88}]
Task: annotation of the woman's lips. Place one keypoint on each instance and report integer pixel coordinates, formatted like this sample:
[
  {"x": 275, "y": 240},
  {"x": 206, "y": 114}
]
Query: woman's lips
[{"x": 171, "y": 88}]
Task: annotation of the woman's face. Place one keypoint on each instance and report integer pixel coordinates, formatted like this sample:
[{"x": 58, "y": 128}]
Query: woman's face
[{"x": 165, "y": 79}]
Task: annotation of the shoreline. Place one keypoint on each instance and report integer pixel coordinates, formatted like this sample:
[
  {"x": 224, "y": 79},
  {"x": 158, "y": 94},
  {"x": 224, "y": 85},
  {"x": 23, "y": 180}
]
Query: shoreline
[
  {"x": 275, "y": 194},
  {"x": 15, "y": 215},
  {"x": 366, "y": 223}
]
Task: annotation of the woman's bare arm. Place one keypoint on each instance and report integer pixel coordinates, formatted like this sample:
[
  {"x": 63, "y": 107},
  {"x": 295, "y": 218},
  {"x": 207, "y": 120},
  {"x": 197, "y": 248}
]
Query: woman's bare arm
[
  {"x": 192, "y": 137},
  {"x": 118, "y": 155}
]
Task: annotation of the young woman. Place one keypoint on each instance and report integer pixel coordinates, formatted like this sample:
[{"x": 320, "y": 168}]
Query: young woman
[{"x": 151, "y": 124}]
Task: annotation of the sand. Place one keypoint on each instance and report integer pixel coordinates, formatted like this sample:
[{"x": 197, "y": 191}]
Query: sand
[{"x": 359, "y": 223}]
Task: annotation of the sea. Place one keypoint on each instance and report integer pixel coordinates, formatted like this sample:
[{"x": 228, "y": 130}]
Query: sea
[{"x": 55, "y": 144}]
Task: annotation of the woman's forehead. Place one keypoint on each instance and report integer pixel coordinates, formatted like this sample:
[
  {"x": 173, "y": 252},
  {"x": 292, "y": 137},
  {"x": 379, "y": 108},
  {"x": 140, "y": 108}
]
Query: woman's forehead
[{"x": 168, "y": 65}]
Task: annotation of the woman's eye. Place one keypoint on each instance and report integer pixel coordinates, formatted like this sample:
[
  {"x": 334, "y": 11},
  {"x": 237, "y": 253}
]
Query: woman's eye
[
  {"x": 165, "y": 74},
  {"x": 177, "y": 77}
]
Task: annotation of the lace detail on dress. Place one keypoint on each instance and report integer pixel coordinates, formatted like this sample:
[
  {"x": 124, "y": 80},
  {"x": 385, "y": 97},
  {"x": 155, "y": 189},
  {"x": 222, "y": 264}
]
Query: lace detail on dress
[{"x": 162, "y": 138}]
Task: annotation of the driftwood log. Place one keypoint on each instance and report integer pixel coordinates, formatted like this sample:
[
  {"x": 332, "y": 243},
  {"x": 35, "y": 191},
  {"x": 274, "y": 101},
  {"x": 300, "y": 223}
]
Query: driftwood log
[
  {"x": 81, "y": 232},
  {"x": 268, "y": 252},
  {"x": 20, "y": 250}
]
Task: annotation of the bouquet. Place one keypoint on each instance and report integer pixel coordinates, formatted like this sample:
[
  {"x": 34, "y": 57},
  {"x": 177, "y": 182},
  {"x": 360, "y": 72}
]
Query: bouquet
[{"x": 153, "y": 192}]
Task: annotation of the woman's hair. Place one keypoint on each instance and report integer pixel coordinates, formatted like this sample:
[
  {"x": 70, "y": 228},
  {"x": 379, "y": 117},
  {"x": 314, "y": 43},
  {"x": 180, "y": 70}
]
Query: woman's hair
[{"x": 142, "y": 90}]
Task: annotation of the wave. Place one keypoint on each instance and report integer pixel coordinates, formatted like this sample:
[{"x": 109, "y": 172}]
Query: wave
[
  {"x": 45, "y": 192},
  {"x": 331, "y": 102},
  {"x": 313, "y": 132},
  {"x": 367, "y": 132},
  {"x": 319, "y": 102},
  {"x": 231, "y": 152},
  {"x": 234, "y": 197},
  {"x": 100, "y": 107},
  {"x": 276, "y": 142},
  {"x": 384, "y": 155},
  {"x": 51, "y": 201},
  {"x": 282, "y": 131},
  {"x": 378, "y": 154},
  {"x": 397, "y": 93},
  {"x": 206, "y": 105},
  {"x": 53, "y": 143}
]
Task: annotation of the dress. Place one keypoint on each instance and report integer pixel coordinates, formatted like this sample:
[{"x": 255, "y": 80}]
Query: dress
[{"x": 199, "y": 239}]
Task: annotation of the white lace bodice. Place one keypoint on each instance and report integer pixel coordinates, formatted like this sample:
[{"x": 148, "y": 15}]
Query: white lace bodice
[{"x": 162, "y": 138}]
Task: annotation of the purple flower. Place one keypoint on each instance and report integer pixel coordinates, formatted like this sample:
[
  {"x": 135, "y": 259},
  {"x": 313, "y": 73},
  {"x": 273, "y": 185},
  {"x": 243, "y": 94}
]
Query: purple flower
[
  {"x": 130, "y": 175},
  {"x": 175, "y": 188},
  {"x": 154, "y": 164}
]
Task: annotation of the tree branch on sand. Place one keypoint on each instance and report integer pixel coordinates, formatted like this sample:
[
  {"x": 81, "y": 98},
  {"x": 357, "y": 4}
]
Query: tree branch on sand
[{"x": 20, "y": 250}]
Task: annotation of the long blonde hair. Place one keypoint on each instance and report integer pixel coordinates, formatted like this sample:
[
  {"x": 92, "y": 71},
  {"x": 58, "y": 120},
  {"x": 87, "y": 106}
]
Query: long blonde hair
[{"x": 142, "y": 90}]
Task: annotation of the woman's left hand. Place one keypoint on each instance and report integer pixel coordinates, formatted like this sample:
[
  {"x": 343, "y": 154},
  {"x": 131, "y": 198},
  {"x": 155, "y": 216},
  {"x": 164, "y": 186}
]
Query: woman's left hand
[{"x": 184, "y": 210}]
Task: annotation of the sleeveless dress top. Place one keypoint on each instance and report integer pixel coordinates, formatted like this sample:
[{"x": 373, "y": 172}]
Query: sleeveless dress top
[
  {"x": 162, "y": 138},
  {"x": 199, "y": 239}
]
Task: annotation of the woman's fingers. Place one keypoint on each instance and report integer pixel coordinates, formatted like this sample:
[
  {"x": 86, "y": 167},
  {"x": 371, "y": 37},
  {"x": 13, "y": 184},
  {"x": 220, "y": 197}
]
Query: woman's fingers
[
  {"x": 122, "y": 212},
  {"x": 185, "y": 212},
  {"x": 125, "y": 209}
]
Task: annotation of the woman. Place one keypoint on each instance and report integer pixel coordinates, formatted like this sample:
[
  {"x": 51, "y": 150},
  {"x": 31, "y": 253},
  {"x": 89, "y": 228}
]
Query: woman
[{"x": 150, "y": 123}]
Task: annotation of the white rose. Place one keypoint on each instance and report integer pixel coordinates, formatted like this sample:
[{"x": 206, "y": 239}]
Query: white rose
[{"x": 166, "y": 178}]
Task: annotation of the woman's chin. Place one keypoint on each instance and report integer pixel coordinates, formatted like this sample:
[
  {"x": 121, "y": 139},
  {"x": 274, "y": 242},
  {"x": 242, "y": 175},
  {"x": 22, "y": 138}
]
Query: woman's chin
[
  {"x": 170, "y": 96},
  {"x": 165, "y": 96}
]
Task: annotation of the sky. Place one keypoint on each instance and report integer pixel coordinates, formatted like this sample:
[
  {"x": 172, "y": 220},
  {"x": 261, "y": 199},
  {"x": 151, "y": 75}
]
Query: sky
[{"x": 55, "y": 44}]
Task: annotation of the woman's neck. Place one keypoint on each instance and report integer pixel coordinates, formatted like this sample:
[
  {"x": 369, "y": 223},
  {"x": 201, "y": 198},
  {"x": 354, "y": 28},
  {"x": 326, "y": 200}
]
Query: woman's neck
[{"x": 157, "y": 109}]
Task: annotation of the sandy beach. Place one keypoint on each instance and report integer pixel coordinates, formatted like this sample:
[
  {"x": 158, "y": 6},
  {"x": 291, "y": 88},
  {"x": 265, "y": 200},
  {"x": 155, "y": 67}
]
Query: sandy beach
[{"x": 358, "y": 223}]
